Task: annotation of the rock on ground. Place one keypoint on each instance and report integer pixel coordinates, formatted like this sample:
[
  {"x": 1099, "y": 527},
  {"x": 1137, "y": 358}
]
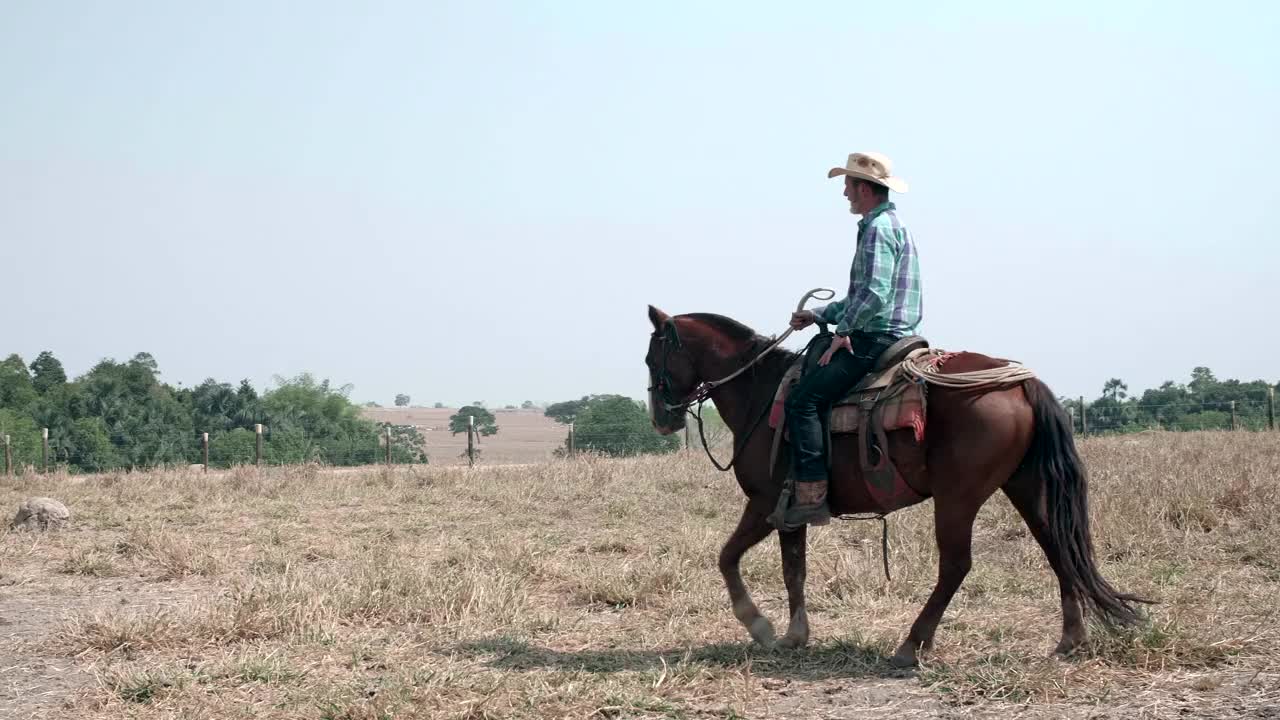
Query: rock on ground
[{"x": 40, "y": 513}]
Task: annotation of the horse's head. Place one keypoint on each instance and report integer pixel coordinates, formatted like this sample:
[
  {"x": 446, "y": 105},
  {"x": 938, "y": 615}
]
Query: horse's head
[{"x": 672, "y": 376}]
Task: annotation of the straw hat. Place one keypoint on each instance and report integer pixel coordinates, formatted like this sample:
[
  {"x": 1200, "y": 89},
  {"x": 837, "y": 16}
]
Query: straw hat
[{"x": 873, "y": 167}]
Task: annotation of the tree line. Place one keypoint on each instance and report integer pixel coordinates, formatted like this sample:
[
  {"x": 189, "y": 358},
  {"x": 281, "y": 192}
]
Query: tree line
[
  {"x": 121, "y": 415},
  {"x": 1203, "y": 403}
]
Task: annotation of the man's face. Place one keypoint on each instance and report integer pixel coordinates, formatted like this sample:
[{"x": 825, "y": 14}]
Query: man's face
[
  {"x": 862, "y": 199},
  {"x": 854, "y": 191}
]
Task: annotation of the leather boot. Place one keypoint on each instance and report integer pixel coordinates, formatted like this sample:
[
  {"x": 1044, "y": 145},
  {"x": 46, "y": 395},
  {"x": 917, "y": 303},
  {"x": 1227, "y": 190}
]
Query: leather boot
[{"x": 810, "y": 505}]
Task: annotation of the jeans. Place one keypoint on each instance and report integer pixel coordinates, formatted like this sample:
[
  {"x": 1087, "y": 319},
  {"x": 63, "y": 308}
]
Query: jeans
[{"x": 816, "y": 391}]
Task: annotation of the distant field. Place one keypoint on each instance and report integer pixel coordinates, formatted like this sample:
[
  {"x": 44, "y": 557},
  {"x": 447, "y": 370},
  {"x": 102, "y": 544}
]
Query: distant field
[
  {"x": 524, "y": 436},
  {"x": 588, "y": 588}
]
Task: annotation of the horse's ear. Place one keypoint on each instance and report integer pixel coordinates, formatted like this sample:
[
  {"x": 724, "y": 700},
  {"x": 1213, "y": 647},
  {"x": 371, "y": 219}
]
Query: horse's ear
[{"x": 658, "y": 318}]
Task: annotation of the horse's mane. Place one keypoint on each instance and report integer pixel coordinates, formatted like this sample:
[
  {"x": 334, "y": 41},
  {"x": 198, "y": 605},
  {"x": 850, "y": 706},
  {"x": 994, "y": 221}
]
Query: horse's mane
[
  {"x": 728, "y": 326},
  {"x": 738, "y": 332}
]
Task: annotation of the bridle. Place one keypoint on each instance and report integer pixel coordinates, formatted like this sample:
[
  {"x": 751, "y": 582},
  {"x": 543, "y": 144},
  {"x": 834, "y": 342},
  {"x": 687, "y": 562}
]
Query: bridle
[{"x": 668, "y": 338}]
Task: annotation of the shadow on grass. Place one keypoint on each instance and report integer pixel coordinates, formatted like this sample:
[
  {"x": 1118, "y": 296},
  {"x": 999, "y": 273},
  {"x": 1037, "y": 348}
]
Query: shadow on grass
[{"x": 828, "y": 660}]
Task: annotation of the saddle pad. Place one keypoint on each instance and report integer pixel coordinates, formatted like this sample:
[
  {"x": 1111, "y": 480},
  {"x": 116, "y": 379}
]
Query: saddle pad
[{"x": 904, "y": 409}]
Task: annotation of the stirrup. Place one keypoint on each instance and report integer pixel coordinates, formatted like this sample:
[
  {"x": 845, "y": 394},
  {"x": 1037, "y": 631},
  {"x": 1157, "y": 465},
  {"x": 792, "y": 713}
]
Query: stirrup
[{"x": 778, "y": 516}]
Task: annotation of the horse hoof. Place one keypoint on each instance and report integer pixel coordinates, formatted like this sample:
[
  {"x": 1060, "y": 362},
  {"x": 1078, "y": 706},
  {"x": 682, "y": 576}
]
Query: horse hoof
[
  {"x": 793, "y": 642},
  {"x": 905, "y": 657},
  {"x": 1065, "y": 650},
  {"x": 901, "y": 660},
  {"x": 762, "y": 632}
]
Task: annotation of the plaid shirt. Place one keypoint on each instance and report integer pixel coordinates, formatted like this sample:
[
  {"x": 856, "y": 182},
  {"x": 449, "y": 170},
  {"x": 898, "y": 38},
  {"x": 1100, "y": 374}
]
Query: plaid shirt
[{"x": 884, "y": 282}]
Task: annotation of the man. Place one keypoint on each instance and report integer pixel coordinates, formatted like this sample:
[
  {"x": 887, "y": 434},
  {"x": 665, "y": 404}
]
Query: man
[{"x": 883, "y": 305}]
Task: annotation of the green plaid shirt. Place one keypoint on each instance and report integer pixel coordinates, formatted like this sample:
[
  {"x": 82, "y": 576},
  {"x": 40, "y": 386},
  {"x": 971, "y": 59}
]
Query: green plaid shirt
[{"x": 884, "y": 282}]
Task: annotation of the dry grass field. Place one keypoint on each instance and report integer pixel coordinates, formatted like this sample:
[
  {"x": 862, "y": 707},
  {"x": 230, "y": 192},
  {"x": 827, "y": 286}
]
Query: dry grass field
[
  {"x": 588, "y": 589},
  {"x": 524, "y": 436}
]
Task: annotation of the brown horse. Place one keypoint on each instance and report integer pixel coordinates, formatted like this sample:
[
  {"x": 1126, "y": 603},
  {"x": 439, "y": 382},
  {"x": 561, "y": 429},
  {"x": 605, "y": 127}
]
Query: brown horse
[{"x": 1016, "y": 439}]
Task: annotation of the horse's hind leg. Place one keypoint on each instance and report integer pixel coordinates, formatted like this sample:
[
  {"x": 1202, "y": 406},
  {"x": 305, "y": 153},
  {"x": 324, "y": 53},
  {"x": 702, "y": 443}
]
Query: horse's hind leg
[
  {"x": 1025, "y": 491},
  {"x": 793, "y": 574},
  {"x": 953, "y": 528},
  {"x": 752, "y": 528}
]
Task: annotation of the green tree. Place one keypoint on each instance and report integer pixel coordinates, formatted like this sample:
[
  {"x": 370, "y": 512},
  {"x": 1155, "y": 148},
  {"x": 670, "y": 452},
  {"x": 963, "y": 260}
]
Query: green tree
[
  {"x": 144, "y": 418},
  {"x": 218, "y": 407},
  {"x": 620, "y": 427},
  {"x": 402, "y": 400},
  {"x": 249, "y": 406},
  {"x": 16, "y": 389},
  {"x": 1116, "y": 389},
  {"x": 568, "y": 411},
  {"x": 1202, "y": 381},
  {"x": 234, "y": 447},
  {"x": 47, "y": 372},
  {"x": 88, "y": 446},
  {"x": 407, "y": 444},
  {"x": 311, "y": 420},
  {"x": 527, "y": 405},
  {"x": 486, "y": 424},
  {"x": 24, "y": 438}
]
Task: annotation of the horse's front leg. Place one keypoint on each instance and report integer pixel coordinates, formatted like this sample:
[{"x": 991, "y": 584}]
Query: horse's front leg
[
  {"x": 793, "y": 573},
  {"x": 752, "y": 528}
]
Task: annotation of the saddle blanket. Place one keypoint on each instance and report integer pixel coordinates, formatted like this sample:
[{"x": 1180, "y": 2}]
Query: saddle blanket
[{"x": 901, "y": 410}]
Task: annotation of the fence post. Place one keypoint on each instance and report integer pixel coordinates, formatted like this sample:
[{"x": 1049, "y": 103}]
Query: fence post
[
  {"x": 1233, "y": 414},
  {"x": 471, "y": 440},
  {"x": 1271, "y": 408},
  {"x": 573, "y": 441},
  {"x": 1071, "y": 417},
  {"x": 44, "y": 449},
  {"x": 1084, "y": 418},
  {"x": 8, "y": 457},
  {"x": 386, "y": 433},
  {"x": 204, "y": 450},
  {"x": 257, "y": 431}
]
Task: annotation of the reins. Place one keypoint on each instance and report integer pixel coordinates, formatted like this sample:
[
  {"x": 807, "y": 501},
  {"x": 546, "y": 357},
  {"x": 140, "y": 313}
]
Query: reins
[
  {"x": 703, "y": 391},
  {"x": 768, "y": 405},
  {"x": 700, "y": 394}
]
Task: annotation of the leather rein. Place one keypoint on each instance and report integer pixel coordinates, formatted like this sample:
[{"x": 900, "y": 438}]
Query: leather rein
[
  {"x": 669, "y": 339},
  {"x": 702, "y": 392}
]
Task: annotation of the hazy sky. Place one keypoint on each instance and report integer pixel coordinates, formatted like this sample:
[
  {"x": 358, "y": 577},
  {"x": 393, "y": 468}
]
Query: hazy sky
[{"x": 476, "y": 201}]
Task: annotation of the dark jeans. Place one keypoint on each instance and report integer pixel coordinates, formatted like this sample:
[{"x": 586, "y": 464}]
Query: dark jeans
[{"x": 817, "y": 390}]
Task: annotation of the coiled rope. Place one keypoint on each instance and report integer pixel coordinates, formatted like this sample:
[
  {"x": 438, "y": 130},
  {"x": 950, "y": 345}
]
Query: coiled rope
[{"x": 927, "y": 368}]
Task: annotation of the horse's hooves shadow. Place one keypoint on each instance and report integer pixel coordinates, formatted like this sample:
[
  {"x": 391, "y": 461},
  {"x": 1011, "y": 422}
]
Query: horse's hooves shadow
[{"x": 834, "y": 659}]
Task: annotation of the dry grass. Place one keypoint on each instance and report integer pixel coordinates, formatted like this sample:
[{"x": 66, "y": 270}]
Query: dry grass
[{"x": 589, "y": 589}]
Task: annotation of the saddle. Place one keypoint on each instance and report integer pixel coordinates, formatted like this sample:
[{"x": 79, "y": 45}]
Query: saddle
[{"x": 886, "y": 399}]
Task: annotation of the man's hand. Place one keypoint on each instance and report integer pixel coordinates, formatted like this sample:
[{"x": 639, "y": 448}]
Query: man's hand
[
  {"x": 802, "y": 319},
  {"x": 840, "y": 341}
]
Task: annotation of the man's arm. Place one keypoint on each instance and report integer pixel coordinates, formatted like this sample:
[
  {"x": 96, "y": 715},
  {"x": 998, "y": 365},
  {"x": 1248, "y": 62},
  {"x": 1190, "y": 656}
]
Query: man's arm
[
  {"x": 872, "y": 281},
  {"x": 831, "y": 314}
]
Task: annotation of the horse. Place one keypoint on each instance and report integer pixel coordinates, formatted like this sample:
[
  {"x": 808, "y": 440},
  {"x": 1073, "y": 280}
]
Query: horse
[{"x": 1017, "y": 439}]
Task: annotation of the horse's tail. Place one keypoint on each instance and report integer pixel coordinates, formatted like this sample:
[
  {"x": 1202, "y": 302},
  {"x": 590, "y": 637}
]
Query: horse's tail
[{"x": 1054, "y": 458}]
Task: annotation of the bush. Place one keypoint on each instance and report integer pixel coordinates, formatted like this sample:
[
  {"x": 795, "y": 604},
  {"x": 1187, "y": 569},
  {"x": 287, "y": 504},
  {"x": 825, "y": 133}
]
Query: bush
[{"x": 619, "y": 427}]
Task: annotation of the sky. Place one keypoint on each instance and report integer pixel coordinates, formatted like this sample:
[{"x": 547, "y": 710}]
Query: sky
[{"x": 478, "y": 200}]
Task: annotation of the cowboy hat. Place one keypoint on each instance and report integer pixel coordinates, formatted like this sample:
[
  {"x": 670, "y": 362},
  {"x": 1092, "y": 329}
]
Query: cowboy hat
[{"x": 872, "y": 167}]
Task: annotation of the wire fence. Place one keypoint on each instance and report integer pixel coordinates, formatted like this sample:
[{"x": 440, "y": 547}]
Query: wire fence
[
  {"x": 1109, "y": 416},
  {"x": 397, "y": 445},
  {"x": 43, "y": 451}
]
